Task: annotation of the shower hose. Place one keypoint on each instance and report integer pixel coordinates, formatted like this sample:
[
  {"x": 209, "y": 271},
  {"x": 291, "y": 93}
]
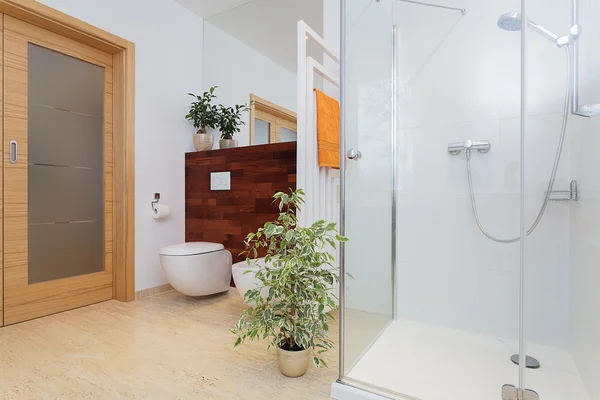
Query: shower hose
[{"x": 552, "y": 176}]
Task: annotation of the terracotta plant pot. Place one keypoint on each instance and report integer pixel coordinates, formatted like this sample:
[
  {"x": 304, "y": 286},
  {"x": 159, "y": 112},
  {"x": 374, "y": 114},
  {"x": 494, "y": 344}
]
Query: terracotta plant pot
[
  {"x": 293, "y": 363},
  {"x": 228, "y": 143},
  {"x": 203, "y": 141}
]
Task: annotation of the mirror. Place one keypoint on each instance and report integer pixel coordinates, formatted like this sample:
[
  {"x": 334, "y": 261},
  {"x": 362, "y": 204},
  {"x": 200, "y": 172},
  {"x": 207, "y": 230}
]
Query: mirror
[{"x": 250, "y": 54}]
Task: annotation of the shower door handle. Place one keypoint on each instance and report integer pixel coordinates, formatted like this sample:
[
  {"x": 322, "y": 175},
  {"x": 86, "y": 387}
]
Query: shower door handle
[
  {"x": 354, "y": 154},
  {"x": 13, "y": 152}
]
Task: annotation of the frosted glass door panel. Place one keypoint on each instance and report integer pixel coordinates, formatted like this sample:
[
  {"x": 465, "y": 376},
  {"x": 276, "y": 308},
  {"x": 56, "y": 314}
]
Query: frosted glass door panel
[
  {"x": 64, "y": 250},
  {"x": 288, "y": 135},
  {"x": 65, "y": 138},
  {"x": 261, "y": 131},
  {"x": 65, "y": 82},
  {"x": 63, "y": 194},
  {"x": 65, "y": 171}
]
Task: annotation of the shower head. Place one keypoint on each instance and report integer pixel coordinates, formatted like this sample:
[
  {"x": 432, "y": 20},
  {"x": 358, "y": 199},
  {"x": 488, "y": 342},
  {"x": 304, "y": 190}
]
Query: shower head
[
  {"x": 510, "y": 22},
  {"x": 513, "y": 22}
]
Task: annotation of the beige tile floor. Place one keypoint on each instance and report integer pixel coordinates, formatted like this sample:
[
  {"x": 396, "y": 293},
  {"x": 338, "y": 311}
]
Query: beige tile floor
[{"x": 161, "y": 347}]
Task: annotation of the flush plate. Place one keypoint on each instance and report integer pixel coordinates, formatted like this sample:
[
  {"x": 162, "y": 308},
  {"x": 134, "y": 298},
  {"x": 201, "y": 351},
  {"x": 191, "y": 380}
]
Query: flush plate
[{"x": 220, "y": 180}]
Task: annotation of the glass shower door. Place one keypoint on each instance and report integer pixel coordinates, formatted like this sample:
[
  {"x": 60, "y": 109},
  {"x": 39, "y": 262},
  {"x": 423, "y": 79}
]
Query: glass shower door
[
  {"x": 431, "y": 309},
  {"x": 368, "y": 190}
]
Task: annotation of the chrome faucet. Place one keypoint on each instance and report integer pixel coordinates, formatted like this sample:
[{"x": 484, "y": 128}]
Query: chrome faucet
[{"x": 482, "y": 146}]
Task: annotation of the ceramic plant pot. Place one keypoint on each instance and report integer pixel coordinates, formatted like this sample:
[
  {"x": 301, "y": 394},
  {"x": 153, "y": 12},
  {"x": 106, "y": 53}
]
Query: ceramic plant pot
[
  {"x": 293, "y": 363},
  {"x": 228, "y": 143},
  {"x": 203, "y": 141}
]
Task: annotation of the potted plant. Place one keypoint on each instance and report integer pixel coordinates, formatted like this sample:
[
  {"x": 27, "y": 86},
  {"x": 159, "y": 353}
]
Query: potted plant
[
  {"x": 229, "y": 122},
  {"x": 204, "y": 115},
  {"x": 299, "y": 272}
]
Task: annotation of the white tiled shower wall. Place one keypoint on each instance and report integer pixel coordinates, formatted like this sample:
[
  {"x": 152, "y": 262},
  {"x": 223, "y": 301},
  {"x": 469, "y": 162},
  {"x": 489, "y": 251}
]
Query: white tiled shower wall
[
  {"x": 585, "y": 219},
  {"x": 460, "y": 79}
]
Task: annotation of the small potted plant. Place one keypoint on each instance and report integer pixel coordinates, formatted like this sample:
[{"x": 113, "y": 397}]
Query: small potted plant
[
  {"x": 204, "y": 115},
  {"x": 229, "y": 122},
  {"x": 299, "y": 272}
]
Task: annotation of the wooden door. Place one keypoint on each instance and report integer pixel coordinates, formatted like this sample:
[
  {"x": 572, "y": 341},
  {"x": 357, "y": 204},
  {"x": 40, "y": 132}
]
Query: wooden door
[{"x": 58, "y": 186}]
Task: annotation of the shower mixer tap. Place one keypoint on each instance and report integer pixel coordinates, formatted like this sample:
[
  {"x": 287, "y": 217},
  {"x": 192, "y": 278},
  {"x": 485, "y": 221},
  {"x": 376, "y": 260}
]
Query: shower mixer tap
[{"x": 482, "y": 146}]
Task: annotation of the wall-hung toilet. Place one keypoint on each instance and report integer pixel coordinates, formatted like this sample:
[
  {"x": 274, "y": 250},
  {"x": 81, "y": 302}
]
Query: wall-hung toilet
[{"x": 197, "y": 268}]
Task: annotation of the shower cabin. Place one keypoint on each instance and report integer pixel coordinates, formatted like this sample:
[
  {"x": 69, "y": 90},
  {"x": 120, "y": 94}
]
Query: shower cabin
[{"x": 471, "y": 198}]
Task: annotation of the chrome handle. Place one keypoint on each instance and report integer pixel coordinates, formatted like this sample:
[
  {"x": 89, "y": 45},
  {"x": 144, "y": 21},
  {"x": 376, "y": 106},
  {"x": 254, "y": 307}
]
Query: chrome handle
[
  {"x": 353, "y": 154},
  {"x": 13, "y": 152}
]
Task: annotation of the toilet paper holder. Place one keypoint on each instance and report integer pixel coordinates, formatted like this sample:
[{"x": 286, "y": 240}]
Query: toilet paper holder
[{"x": 155, "y": 201}]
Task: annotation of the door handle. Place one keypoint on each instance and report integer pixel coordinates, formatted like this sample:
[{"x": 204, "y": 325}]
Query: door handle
[
  {"x": 13, "y": 152},
  {"x": 353, "y": 154}
]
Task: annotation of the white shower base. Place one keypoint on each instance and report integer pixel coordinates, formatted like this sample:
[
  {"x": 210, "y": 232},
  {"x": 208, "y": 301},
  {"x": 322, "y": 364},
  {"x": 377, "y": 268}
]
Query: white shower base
[{"x": 436, "y": 363}]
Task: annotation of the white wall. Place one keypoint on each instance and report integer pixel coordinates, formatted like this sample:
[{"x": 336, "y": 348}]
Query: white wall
[
  {"x": 584, "y": 217},
  {"x": 585, "y": 253},
  {"x": 239, "y": 71},
  {"x": 168, "y": 41}
]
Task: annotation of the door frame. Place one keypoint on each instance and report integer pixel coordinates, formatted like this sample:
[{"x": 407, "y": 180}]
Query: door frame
[{"x": 123, "y": 53}]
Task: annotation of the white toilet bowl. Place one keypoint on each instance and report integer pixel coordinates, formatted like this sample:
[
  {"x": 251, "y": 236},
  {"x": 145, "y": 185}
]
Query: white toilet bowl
[
  {"x": 245, "y": 282},
  {"x": 197, "y": 268}
]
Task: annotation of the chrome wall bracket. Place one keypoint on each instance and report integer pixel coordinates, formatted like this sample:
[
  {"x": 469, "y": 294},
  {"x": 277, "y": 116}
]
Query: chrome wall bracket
[
  {"x": 566, "y": 195},
  {"x": 482, "y": 146}
]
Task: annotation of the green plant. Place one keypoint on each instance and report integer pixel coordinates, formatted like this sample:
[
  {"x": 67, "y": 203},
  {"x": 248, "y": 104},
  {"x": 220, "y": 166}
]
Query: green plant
[
  {"x": 230, "y": 119},
  {"x": 299, "y": 273},
  {"x": 202, "y": 113}
]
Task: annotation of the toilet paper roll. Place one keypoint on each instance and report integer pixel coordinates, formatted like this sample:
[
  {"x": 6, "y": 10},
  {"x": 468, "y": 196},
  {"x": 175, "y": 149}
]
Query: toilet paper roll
[{"x": 161, "y": 211}]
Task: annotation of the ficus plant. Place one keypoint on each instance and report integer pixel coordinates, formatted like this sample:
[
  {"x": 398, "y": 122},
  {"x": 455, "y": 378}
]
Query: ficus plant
[
  {"x": 230, "y": 119},
  {"x": 202, "y": 112},
  {"x": 299, "y": 272}
]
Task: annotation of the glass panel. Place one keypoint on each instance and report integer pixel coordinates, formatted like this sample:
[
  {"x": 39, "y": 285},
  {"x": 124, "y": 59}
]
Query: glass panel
[
  {"x": 261, "y": 131},
  {"x": 561, "y": 296},
  {"x": 64, "y": 82},
  {"x": 66, "y": 171},
  {"x": 61, "y": 194},
  {"x": 458, "y": 80},
  {"x": 59, "y": 137},
  {"x": 288, "y": 135},
  {"x": 368, "y": 182},
  {"x": 63, "y": 250}
]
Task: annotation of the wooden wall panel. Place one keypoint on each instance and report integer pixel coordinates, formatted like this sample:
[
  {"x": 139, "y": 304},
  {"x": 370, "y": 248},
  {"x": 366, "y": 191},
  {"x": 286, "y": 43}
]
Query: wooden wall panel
[{"x": 257, "y": 172}]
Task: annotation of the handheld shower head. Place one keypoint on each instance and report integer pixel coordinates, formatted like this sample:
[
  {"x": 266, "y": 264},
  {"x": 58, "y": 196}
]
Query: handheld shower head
[{"x": 510, "y": 22}]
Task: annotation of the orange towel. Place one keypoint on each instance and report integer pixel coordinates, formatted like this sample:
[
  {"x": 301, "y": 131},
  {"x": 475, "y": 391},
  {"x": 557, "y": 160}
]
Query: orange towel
[{"x": 328, "y": 130}]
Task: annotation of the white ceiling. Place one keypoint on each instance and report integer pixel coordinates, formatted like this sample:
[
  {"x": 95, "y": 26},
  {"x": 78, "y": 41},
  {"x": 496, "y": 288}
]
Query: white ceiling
[
  {"x": 208, "y": 8},
  {"x": 269, "y": 26}
]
